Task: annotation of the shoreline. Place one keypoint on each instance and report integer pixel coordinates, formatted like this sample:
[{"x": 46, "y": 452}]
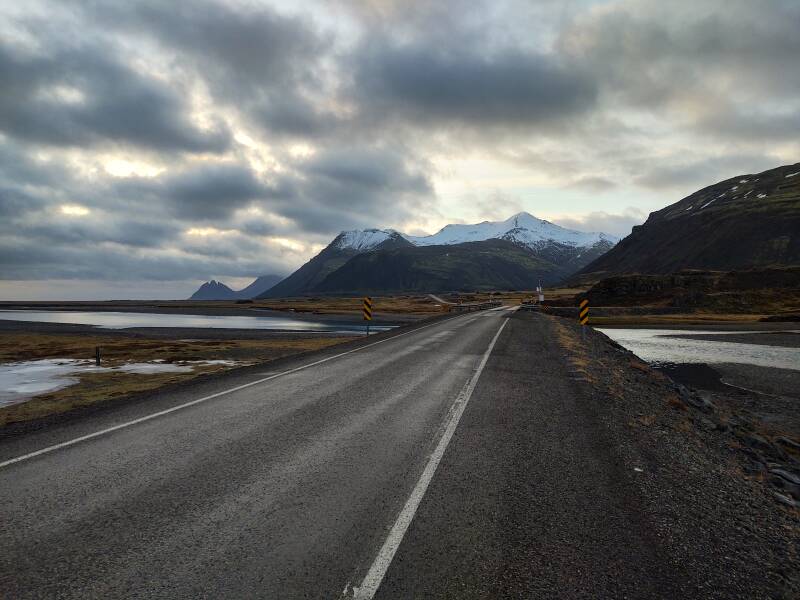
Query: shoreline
[{"x": 224, "y": 308}]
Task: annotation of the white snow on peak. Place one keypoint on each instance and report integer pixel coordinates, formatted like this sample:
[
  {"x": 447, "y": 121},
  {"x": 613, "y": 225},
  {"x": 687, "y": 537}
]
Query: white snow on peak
[
  {"x": 522, "y": 228},
  {"x": 792, "y": 175},
  {"x": 363, "y": 239}
]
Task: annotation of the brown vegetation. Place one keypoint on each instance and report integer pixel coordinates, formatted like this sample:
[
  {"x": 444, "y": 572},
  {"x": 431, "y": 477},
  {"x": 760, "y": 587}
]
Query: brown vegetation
[{"x": 118, "y": 350}]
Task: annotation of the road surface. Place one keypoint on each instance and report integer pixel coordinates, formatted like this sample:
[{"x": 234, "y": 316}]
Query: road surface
[
  {"x": 283, "y": 489},
  {"x": 453, "y": 460}
]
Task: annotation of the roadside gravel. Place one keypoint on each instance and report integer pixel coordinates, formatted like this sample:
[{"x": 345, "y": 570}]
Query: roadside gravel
[{"x": 707, "y": 473}]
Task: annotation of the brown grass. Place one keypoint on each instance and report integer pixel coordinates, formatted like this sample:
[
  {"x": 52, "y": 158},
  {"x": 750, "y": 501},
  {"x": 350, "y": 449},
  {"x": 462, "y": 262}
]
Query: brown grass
[
  {"x": 698, "y": 319},
  {"x": 117, "y": 350}
]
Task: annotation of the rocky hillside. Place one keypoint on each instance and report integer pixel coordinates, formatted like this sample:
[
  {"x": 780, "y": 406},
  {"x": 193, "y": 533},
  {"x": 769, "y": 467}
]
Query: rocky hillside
[
  {"x": 745, "y": 222},
  {"x": 773, "y": 291},
  {"x": 344, "y": 247}
]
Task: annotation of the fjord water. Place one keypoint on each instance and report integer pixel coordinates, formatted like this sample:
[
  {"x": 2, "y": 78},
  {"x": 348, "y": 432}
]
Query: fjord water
[
  {"x": 662, "y": 346},
  {"x": 122, "y": 320}
]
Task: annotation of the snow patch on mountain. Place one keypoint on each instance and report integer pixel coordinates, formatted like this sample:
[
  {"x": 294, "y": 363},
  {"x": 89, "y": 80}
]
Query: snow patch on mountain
[{"x": 363, "y": 239}]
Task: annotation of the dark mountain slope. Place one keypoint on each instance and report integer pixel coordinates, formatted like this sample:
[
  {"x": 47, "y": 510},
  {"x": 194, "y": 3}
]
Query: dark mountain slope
[
  {"x": 259, "y": 286},
  {"x": 214, "y": 290},
  {"x": 487, "y": 265},
  {"x": 749, "y": 221},
  {"x": 334, "y": 256}
]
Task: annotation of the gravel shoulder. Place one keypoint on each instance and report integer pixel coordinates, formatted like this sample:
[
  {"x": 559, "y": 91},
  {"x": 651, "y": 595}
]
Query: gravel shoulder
[{"x": 578, "y": 471}]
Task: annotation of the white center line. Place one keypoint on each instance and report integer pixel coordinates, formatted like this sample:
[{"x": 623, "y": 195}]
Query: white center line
[
  {"x": 380, "y": 565},
  {"x": 161, "y": 413}
]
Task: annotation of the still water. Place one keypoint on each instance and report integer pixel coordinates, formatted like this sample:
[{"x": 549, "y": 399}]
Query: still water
[
  {"x": 655, "y": 345},
  {"x": 121, "y": 320}
]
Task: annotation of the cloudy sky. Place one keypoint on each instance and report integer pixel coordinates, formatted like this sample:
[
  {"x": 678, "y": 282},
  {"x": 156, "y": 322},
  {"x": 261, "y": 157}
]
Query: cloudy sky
[{"x": 146, "y": 146}]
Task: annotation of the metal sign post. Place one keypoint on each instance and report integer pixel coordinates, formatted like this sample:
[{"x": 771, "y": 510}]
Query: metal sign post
[{"x": 366, "y": 311}]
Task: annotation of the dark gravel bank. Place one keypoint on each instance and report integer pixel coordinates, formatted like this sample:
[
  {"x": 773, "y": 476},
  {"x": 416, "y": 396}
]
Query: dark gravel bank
[{"x": 723, "y": 489}]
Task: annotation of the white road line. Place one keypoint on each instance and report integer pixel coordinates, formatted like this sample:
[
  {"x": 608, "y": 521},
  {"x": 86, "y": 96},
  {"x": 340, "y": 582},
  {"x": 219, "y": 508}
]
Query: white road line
[
  {"x": 161, "y": 413},
  {"x": 380, "y": 565}
]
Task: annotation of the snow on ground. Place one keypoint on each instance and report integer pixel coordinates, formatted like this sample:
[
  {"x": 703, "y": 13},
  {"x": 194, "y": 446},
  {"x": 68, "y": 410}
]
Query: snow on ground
[
  {"x": 20, "y": 381},
  {"x": 762, "y": 196},
  {"x": 792, "y": 175}
]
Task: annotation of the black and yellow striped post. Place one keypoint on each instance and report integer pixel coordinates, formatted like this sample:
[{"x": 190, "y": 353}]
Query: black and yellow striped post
[
  {"x": 583, "y": 315},
  {"x": 366, "y": 311}
]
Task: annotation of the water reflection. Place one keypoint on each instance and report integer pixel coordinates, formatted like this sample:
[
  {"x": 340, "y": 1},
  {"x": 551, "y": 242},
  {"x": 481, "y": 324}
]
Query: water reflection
[
  {"x": 121, "y": 320},
  {"x": 653, "y": 345}
]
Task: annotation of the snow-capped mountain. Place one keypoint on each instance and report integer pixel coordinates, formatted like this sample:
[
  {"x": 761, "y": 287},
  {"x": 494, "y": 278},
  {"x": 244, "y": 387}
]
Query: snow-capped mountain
[
  {"x": 363, "y": 240},
  {"x": 523, "y": 229},
  {"x": 506, "y": 254}
]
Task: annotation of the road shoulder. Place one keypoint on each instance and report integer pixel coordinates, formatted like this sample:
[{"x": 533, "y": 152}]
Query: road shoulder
[{"x": 576, "y": 472}]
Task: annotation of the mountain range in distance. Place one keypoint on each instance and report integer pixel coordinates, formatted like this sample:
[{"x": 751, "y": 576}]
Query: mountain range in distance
[
  {"x": 216, "y": 290},
  {"x": 510, "y": 254},
  {"x": 743, "y": 223}
]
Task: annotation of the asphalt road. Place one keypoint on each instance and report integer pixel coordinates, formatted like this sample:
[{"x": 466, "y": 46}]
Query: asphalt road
[
  {"x": 283, "y": 489},
  {"x": 464, "y": 458}
]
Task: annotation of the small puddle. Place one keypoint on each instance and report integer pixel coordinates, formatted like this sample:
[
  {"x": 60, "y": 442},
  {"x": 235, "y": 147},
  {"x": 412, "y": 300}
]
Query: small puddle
[{"x": 21, "y": 381}]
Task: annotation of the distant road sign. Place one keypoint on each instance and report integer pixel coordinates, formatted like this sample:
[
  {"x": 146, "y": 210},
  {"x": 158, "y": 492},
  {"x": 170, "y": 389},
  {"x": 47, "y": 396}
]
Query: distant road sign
[
  {"x": 366, "y": 309},
  {"x": 583, "y": 313}
]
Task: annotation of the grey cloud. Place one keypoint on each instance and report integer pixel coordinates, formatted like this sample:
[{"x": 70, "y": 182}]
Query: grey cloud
[
  {"x": 263, "y": 63},
  {"x": 87, "y": 230},
  {"x": 200, "y": 193},
  {"x": 29, "y": 259},
  {"x": 615, "y": 224},
  {"x": 355, "y": 187},
  {"x": 241, "y": 49},
  {"x": 469, "y": 87},
  {"x": 111, "y": 102},
  {"x": 295, "y": 116},
  {"x": 657, "y": 55},
  {"x": 687, "y": 177},
  {"x": 593, "y": 183},
  {"x": 753, "y": 125}
]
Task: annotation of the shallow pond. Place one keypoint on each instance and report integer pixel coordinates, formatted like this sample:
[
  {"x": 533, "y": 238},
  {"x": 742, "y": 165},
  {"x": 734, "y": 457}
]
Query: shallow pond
[
  {"x": 20, "y": 381},
  {"x": 122, "y": 320},
  {"x": 657, "y": 346}
]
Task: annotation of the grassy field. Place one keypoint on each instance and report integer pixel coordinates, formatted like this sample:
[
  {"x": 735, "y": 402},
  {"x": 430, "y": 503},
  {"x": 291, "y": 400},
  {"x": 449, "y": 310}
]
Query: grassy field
[
  {"x": 118, "y": 350},
  {"x": 412, "y": 305}
]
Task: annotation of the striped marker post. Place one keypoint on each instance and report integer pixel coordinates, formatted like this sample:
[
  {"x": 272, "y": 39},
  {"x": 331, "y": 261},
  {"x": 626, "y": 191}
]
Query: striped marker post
[
  {"x": 583, "y": 316},
  {"x": 366, "y": 311}
]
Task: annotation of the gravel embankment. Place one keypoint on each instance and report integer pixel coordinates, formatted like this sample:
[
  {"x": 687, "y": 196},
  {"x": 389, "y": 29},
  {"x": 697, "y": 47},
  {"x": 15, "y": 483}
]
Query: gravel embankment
[{"x": 724, "y": 494}]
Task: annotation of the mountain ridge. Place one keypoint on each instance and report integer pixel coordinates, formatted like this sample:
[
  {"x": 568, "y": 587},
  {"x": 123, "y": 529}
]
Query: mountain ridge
[
  {"x": 742, "y": 222},
  {"x": 554, "y": 253},
  {"x": 216, "y": 290}
]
